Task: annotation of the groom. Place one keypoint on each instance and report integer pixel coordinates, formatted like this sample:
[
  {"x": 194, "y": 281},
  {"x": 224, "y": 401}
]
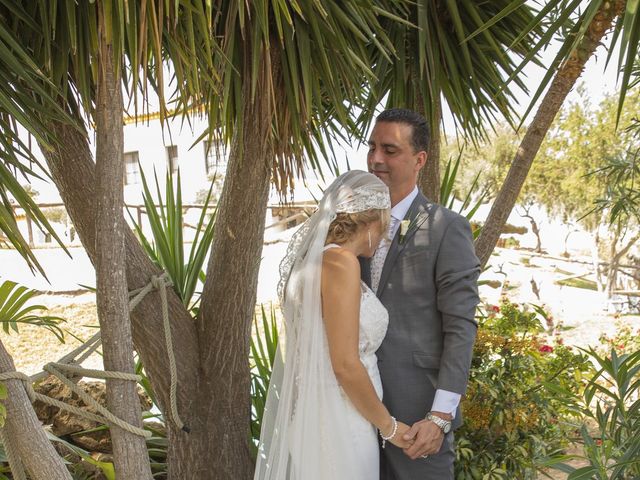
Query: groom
[{"x": 426, "y": 277}]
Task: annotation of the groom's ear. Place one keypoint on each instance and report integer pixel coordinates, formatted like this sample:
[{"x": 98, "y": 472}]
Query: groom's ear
[{"x": 421, "y": 160}]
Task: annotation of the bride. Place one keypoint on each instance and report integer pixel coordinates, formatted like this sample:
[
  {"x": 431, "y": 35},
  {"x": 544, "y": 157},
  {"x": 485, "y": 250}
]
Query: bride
[{"x": 324, "y": 402}]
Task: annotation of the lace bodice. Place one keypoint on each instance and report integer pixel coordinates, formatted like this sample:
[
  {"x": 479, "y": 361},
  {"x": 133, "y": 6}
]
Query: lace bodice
[{"x": 374, "y": 320}]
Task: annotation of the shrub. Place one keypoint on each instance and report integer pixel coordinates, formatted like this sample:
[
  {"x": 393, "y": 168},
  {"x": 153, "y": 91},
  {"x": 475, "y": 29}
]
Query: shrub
[
  {"x": 515, "y": 408},
  {"x": 625, "y": 340},
  {"x": 611, "y": 406}
]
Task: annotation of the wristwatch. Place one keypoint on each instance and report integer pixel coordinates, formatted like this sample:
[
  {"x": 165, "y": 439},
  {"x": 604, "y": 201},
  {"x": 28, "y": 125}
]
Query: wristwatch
[{"x": 444, "y": 425}]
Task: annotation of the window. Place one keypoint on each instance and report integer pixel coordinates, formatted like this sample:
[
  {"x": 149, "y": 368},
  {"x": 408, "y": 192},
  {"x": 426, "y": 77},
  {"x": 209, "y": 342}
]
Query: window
[
  {"x": 215, "y": 161},
  {"x": 131, "y": 168},
  {"x": 172, "y": 159}
]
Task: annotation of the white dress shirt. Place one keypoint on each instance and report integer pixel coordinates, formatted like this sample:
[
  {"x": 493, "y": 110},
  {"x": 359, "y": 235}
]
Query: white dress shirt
[{"x": 444, "y": 401}]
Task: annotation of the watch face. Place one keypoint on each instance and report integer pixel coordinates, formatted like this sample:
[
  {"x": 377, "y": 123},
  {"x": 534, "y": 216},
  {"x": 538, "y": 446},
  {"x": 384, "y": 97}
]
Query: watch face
[{"x": 447, "y": 428}]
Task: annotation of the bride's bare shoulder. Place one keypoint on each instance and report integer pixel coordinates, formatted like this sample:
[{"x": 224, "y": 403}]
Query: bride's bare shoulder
[{"x": 340, "y": 262}]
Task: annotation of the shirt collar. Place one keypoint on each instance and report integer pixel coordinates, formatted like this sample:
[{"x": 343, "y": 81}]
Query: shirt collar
[{"x": 399, "y": 211}]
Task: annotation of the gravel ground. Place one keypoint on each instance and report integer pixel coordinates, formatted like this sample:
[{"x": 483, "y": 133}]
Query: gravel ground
[{"x": 33, "y": 347}]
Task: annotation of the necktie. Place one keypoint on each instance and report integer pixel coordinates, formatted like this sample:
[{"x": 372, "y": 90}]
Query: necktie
[{"x": 377, "y": 261}]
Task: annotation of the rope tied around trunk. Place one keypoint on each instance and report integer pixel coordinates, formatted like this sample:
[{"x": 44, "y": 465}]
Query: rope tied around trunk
[{"x": 65, "y": 371}]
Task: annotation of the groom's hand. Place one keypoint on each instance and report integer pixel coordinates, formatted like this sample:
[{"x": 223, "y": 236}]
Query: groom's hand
[{"x": 427, "y": 439}]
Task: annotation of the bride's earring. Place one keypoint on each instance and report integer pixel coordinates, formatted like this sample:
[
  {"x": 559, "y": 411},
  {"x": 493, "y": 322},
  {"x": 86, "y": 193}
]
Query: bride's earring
[{"x": 369, "y": 239}]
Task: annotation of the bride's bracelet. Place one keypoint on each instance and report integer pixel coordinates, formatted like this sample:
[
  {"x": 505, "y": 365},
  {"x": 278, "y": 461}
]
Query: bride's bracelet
[{"x": 393, "y": 432}]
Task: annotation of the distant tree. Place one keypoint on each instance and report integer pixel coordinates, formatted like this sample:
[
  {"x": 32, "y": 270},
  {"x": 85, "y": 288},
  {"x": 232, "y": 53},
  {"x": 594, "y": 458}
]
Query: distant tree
[
  {"x": 584, "y": 24},
  {"x": 576, "y": 176}
]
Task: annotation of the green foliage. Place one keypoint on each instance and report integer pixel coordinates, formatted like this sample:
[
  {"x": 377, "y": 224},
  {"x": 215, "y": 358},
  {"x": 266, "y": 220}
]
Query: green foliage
[
  {"x": 448, "y": 191},
  {"x": 458, "y": 52},
  {"x": 107, "y": 468},
  {"x": 57, "y": 214},
  {"x": 514, "y": 414},
  {"x": 21, "y": 81},
  {"x": 574, "y": 166},
  {"x": 308, "y": 62},
  {"x": 625, "y": 340},
  {"x": 489, "y": 160},
  {"x": 620, "y": 175},
  {"x": 579, "y": 283},
  {"x": 264, "y": 348},
  {"x": 166, "y": 248},
  {"x": 14, "y": 310},
  {"x": 611, "y": 403},
  {"x": 578, "y": 21}
]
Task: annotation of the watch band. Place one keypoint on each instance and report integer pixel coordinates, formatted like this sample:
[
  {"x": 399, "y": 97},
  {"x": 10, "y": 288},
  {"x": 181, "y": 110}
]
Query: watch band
[{"x": 444, "y": 425}]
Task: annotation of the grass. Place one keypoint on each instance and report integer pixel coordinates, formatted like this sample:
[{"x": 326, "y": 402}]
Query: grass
[{"x": 578, "y": 283}]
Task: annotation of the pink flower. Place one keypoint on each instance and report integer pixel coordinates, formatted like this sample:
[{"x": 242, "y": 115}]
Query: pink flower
[
  {"x": 546, "y": 348},
  {"x": 495, "y": 308}
]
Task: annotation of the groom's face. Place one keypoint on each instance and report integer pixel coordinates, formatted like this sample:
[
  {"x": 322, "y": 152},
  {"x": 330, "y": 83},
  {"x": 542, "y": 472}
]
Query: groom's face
[{"x": 392, "y": 158}]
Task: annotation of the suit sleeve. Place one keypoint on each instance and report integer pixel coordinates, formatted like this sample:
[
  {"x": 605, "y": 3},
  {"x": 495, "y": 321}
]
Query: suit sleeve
[{"x": 457, "y": 271}]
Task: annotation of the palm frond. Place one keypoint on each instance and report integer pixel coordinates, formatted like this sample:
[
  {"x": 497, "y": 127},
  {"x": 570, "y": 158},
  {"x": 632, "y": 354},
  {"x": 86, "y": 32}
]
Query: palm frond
[
  {"x": 15, "y": 310},
  {"x": 460, "y": 51}
]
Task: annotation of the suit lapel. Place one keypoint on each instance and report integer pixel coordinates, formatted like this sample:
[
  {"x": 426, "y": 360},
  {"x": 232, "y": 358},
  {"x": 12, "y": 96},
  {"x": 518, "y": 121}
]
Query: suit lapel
[
  {"x": 418, "y": 207},
  {"x": 365, "y": 270}
]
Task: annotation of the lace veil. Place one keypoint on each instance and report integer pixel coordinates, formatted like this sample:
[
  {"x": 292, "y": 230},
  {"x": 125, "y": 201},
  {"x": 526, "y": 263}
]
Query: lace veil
[{"x": 305, "y": 429}]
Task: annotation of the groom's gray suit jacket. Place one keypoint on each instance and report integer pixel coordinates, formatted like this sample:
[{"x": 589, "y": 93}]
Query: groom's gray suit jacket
[{"x": 429, "y": 286}]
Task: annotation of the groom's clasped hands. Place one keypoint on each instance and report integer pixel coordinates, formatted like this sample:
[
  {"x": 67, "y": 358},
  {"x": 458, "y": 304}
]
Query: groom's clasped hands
[{"x": 422, "y": 439}]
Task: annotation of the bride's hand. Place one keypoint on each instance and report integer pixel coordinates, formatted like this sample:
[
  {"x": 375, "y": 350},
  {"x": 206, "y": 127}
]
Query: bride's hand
[{"x": 397, "y": 438}]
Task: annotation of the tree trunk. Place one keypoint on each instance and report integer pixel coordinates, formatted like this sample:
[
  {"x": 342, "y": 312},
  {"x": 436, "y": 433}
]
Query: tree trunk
[
  {"x": 28, "y": 438},
  {"x": 560, "y": 87},
  {"x": 131, "y": 459},
  {"x": 73, "y": 171},
  {"x": 595, "y": 255},
  {"x": 429, "y": 177},
  {"x": 614, "y": 263},
  {"x": 227, "y": 310},
  {"x": 534, "y": 228},
  {"x": 29, "y": 230}
]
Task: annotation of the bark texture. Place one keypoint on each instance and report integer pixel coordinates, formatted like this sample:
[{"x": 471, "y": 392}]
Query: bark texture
[
  {"x": 73, "y": 171},
  {"x": 25, "y": 431},
  {"x": 429, "y": 177},
  {"x": 228, "y": 307},
  {"x": 131, "y": 459},
  {"x": 560, "y": 87}
]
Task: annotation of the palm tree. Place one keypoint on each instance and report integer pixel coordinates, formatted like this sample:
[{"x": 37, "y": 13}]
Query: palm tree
[
  {"x": 582, "y": 41},
  {"x": 16, "y": 160},
  {"x": 458, "y": 52},
  {"x": 276, "y": 79},
  {"x": 63, "y": 43}
]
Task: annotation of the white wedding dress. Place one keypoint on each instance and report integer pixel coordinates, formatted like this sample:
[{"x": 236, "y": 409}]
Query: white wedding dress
[
  {"x": 310, "y": 428},
  {"x": 374, "y": 320}
]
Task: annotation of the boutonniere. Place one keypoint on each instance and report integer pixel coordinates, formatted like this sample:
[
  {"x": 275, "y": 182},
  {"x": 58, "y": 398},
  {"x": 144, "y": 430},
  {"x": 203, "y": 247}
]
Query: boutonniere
[{"x": 408, "y": 226}]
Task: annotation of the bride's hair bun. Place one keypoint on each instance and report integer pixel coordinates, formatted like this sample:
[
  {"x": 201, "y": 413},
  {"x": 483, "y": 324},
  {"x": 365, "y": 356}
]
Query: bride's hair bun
[{"x": 345, "y": 225}]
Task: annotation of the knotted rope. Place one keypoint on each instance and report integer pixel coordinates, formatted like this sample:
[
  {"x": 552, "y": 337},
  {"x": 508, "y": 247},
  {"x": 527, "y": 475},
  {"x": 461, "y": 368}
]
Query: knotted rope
[{"x": 64, "y": 372}]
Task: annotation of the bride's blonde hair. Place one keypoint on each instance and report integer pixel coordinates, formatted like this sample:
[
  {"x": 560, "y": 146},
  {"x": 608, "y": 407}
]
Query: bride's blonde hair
[{"x": 346, "y": 225}]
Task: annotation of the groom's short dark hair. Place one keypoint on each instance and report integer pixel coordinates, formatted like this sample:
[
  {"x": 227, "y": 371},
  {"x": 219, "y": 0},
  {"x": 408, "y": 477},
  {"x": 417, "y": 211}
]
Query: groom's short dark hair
[{"x": 420, "y": 137}]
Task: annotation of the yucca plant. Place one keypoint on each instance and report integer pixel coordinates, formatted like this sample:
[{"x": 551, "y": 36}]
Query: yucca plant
[
  {"x": 264, "y": 343},
  {"x": 14, "y": 310},
  {"x": 611, "y": 401},
  {"x": 166, "y": 247},
  {"x": 468, "y": 208}
]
